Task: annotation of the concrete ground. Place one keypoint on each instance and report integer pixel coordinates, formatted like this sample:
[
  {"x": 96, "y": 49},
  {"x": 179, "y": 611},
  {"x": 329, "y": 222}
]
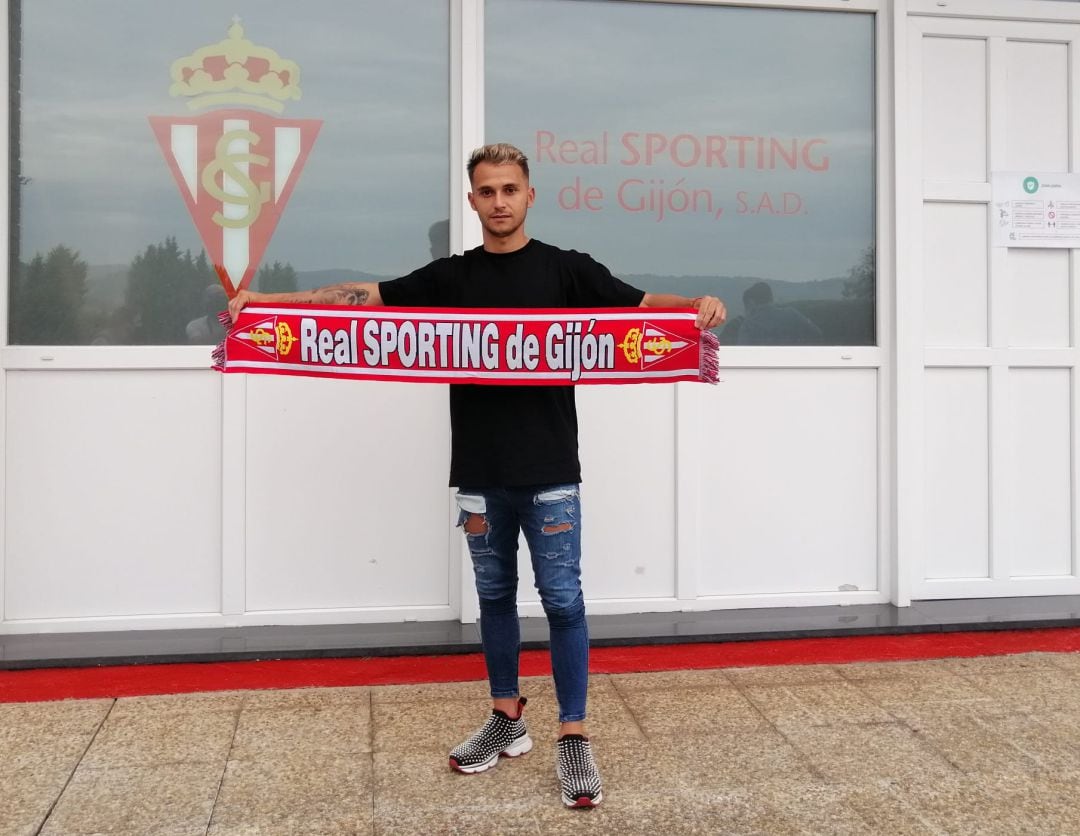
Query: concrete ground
[{"x": 953, "y": 746}]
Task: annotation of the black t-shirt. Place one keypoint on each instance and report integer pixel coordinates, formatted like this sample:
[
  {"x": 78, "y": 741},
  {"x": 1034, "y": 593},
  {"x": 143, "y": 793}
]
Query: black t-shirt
[{"x": 510, "y": 436}]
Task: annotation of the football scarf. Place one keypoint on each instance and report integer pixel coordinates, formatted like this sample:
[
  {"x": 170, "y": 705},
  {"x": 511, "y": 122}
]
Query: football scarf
[{"x": 525, "y": 346}]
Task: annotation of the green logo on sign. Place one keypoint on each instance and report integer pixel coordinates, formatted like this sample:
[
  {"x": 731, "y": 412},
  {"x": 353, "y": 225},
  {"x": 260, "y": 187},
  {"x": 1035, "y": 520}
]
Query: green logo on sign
[{"x": 1031, "y": 185}]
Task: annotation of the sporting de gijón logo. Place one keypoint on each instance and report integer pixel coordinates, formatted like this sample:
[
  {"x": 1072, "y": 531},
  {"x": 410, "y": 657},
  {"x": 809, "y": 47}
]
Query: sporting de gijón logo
[{"x": 236, "y": 164}]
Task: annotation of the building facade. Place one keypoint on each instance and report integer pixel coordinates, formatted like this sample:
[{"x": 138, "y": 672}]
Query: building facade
[{"x": 897, "y": 417}]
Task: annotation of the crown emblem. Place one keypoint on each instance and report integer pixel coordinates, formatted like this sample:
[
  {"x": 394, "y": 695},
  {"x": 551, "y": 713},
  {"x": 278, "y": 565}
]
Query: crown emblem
[
  {"x": 631, "y": 345},
  {"x": 236, "y": 71}
]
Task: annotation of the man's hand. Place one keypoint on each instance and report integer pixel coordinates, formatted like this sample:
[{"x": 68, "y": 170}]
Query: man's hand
[
  {"x": 241, "y": 300},
  {"x": 711, "y": 312}
]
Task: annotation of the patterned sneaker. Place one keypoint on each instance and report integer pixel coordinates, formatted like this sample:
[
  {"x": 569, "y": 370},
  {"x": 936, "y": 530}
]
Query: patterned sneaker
[
  {"x": 499, "y": 736},
  {"x": 578, "y": 776}
]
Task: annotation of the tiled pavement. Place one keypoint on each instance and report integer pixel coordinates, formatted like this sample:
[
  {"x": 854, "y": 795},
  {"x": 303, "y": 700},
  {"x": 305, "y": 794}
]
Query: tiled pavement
[{"x": 954, "y": 746}]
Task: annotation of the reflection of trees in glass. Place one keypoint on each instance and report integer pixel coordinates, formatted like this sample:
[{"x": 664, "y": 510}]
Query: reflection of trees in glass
[
  {"x": 46, "y": 299},
  {"x": 861, "y": 282},
  {"x": 276, "y": 278},
  {"x": 165, "y": 289}
]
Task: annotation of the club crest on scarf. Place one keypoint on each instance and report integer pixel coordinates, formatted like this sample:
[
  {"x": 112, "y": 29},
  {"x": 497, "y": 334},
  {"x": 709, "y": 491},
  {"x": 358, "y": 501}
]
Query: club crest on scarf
[
  {"x": 235, "y": 166},
  {"x": 270, "y": 337}
]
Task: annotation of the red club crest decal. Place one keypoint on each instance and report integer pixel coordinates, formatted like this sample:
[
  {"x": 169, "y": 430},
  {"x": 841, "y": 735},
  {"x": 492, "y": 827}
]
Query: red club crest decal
[{"x": 235, "y": 167}]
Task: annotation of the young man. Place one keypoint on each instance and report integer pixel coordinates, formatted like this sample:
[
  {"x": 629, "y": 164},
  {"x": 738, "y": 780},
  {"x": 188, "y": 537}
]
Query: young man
[{"x": 515, "y": 456}]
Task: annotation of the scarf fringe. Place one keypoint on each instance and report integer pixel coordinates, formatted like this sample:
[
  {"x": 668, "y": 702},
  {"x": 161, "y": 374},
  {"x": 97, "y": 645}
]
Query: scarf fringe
[
  {"x": 709, "y": 358},
  {"x": 218, "y": 354}
]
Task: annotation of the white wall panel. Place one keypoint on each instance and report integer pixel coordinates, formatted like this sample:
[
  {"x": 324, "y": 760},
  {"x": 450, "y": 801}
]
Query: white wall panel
[
  {"x": 957, "y": 473},
  {"x": 1038, "y": 106},
  {"x": 113, "y": 493},
  {"x": 790, "y": 482},
  {"x": 347, "y": 499},
  {"x": 1041, "y": 488},
  {"x": 955, "y": 274},
  {"x": 954, "y": 115},
  {"x": 1040, "y": 301},
  {"x": 627, "y": 438}
]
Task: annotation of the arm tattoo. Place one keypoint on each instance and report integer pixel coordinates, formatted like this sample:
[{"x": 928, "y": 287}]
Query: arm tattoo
[{"x": 344, "y": 294}]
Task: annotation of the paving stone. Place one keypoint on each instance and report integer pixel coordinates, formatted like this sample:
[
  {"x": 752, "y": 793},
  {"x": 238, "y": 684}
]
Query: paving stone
[
  {"x": 1041, "y": 740},
  {"x": 960, "y": 804},
  {"x": 153, "y": 738},
  {"x": 437, "y": 691},
  {"x": 893, "y": 670},
  {"x": 288, "y": 794},
  {"x": 685, "y": 711},
  {"x": 434, "y": 727},
  {"x": 679, "y": 816},
  {"x": 407, "y": 821},
  {"x": 1050, "y": 690},
  {"x": 732, "y": 762},
  {"x": 422, "y": 781},
  {"x": 781, "y": 808},
  {"x": 1066, "y": 661},
  {"x": 671, "y": 680},
  {"x": 936, "y": 686},
  {"x": 859, "y": 754},
  {"x": 161, "y": 704},
  {"x": 31, "y": 784},
  {"x": 886, "y": 811},
  {"x": 49, "y": 729},
  {"x": 172, "y": 800},
  {"x": 339, "y": 729},
  {"x": 359, "y": 698},
  {"x": 1011, "y": 663},
  {"x": 815, "y": 704},
  {"x": 970, "y": 743},
  {"x": 783, "y": 675}
]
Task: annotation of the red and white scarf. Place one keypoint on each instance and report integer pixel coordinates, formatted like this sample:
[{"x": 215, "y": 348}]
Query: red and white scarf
[{"x": 526, "y": 346}]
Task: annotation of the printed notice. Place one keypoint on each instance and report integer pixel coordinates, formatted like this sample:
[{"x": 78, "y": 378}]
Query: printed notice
[{"x": 1035, "y": 209}]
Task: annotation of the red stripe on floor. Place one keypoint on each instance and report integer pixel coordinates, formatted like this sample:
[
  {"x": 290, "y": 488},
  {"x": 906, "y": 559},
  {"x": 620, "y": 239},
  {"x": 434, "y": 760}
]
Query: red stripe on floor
[{"x": 141, "y": 680}]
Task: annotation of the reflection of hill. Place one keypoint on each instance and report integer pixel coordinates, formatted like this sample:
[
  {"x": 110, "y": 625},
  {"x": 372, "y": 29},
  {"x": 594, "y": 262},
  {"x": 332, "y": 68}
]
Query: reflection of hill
[
  {"x": 106, "y": 283},
  {"x": 843, "y": 321},
  {"x": 308, "y": 279},
  {"x": 730, "y": 288}
]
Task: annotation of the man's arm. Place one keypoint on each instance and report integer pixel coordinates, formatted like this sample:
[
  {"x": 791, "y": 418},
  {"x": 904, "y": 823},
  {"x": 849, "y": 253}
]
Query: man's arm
[
  {"x": 347, "y": 293},
  {"x": 711, "y": 311}
]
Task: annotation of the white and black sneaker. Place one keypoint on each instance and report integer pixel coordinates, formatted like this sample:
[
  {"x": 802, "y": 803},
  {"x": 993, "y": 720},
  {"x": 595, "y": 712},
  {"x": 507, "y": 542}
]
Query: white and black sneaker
[
  {"x": 579, "y": 778},
  {"x": 500, "y": 736}
]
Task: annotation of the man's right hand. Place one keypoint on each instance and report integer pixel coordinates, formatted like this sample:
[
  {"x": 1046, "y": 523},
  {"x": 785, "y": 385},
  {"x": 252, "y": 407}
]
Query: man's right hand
[{"x": 241, "y": 300}]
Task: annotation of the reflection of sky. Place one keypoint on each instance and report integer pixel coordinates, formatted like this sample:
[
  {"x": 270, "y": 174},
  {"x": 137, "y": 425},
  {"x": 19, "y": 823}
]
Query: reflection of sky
[
  {"x": 697, "y": 70},
  {"x": 377, "y": 73}
]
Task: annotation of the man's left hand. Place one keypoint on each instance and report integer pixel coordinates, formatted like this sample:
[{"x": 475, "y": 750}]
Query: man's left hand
[{"x": 711, "y": 312}]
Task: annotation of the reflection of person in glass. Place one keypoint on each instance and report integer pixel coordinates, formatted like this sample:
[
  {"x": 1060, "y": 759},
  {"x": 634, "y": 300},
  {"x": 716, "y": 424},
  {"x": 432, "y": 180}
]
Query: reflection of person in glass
[
  {"x": 515, "y": 456},
  {"x": 439, "y": 239},
  {"x": 206, "y": 329},
  {"x": 767, "y": 323}
]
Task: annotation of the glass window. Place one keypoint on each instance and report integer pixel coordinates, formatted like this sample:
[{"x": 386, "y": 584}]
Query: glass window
[
  {"x": 701, "y": 150},
  {"x": 164, "y": 151}
]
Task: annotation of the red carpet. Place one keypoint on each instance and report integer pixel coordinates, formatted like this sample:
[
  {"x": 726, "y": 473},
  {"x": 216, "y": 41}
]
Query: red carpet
[{"x": 140, "y": 680}]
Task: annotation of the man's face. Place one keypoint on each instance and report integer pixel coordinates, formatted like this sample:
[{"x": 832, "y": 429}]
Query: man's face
[{"x": 501, "y": 196}]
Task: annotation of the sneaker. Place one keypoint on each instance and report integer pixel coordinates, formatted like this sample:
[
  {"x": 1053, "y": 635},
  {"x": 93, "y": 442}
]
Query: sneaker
[
  {"x": 578, "y": 776},
  {"x": 500, "y": 736}
]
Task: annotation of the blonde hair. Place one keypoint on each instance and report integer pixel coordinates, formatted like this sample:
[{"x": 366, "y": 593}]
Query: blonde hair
[{"x": 500, "y": 153}]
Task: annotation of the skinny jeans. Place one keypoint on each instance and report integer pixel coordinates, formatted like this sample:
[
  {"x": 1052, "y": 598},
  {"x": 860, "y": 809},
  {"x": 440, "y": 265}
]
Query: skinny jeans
[{"x": 550, "y": 518}]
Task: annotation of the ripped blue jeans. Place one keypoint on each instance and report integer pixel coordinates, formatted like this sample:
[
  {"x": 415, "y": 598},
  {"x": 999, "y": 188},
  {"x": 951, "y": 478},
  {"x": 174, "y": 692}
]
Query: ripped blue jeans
[{"x": 550, "y": 517}]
